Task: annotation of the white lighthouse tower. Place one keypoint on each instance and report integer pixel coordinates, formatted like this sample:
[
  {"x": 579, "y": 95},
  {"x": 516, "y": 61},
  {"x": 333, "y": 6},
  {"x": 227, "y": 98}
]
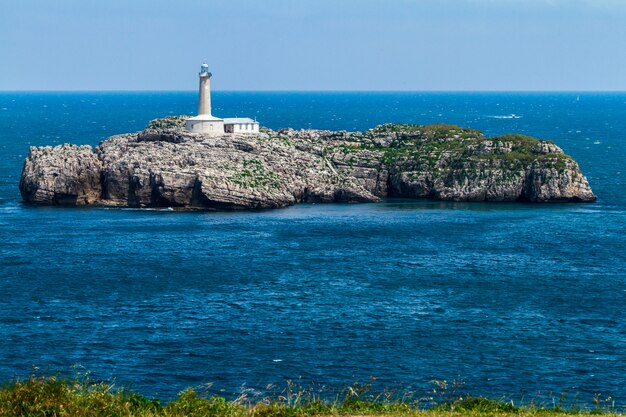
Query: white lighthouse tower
[
  {"x": 204, "y": 98},
  {"x": 204, "y": 122}
]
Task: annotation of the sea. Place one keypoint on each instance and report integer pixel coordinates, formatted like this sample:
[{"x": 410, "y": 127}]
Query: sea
[{"x": 517, "y": 301}]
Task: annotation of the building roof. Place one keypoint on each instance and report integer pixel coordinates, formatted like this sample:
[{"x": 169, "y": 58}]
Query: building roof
[
  {"x": 235, "y": 120},
  {"x": 206, "y": 117}
]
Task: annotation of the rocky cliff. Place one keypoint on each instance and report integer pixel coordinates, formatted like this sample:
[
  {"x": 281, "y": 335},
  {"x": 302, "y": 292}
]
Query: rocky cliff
[{"x": 165, "y": 166}]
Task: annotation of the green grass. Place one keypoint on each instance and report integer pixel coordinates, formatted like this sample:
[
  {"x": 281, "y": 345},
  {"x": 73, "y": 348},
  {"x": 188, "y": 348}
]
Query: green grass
[
  {"x": 169, "y": 122},
  {"x": 255, "y": 176},
  {"x": 431, "y": 144},
  {"x": 49, "y": 396},
  {"x": 430, "y": 132}
]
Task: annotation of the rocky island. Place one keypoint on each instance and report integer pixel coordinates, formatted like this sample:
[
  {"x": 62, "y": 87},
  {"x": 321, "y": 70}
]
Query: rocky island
[{"x": 167, "y": 166}]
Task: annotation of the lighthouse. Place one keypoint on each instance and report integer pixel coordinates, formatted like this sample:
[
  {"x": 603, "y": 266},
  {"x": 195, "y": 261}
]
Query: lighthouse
[
  {"x": 205, "y": 122},
  {"x": 204, "y": 97}
]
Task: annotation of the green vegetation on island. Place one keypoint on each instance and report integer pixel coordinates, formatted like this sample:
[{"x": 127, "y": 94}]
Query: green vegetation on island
[
  {"x": 446, "y": 147},
  {"x": 254, "y": 175},
  {"x": 48, "y": 396}
]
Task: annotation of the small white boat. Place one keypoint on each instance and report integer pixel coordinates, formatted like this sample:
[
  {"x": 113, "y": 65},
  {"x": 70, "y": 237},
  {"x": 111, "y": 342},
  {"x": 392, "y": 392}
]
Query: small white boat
[{"x": 510, "y": 116}]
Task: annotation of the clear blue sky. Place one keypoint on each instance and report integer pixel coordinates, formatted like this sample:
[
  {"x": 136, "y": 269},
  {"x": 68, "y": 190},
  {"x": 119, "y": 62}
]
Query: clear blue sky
[{"x": 313, "y": 44}]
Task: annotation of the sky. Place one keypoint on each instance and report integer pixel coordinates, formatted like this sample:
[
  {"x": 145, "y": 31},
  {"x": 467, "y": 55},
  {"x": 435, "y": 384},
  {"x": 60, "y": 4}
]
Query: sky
[{"x": 397, "y": 45}]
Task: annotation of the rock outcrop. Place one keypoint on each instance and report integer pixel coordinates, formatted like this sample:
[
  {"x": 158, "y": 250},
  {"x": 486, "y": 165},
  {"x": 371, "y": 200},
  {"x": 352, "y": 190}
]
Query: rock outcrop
[
  {"x": 165, "y": 166},
  {"x": 65, "y": 175}
]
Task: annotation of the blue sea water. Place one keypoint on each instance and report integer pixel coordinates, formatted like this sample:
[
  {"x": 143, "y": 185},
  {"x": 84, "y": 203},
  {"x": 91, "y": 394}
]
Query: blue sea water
[{"x": 515, "y": 298}]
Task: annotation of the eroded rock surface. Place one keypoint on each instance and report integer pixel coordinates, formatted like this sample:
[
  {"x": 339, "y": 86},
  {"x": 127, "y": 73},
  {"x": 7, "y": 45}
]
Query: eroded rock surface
[
  {"x": 165, "y": 166},
  {"x": 65, "y": 175}
]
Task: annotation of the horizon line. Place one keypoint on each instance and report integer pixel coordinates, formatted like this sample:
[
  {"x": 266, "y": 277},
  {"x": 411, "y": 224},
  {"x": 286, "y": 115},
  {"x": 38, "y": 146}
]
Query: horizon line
[{"x": 314, "y": 91}]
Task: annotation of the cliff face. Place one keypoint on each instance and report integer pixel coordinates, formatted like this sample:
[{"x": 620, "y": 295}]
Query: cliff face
[
  {"x": 66, "y": 175},
  {"x": 165, "y": 166}
]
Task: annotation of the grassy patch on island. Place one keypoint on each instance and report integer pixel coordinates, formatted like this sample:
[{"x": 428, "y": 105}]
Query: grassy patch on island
[{"x": 253, "y": 175}]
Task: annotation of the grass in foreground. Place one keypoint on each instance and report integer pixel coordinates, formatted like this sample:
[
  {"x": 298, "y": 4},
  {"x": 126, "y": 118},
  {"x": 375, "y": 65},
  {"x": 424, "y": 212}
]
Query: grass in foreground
[{"x": 50, "y": 397}]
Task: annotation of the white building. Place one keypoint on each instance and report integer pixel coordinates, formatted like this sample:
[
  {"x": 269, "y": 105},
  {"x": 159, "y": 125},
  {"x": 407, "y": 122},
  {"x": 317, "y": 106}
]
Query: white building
[
  {"x": 241, "y": 125},
  {"x": 206, "y": 123}
]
